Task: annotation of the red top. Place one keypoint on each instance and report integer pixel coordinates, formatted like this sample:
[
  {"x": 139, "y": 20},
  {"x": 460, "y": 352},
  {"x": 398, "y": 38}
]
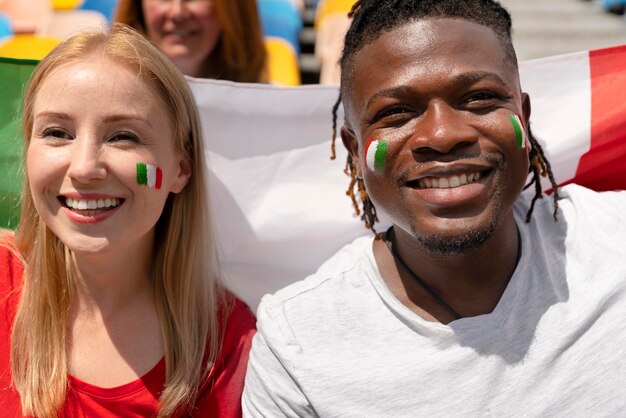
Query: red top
[{"x": 138, "y": 398}]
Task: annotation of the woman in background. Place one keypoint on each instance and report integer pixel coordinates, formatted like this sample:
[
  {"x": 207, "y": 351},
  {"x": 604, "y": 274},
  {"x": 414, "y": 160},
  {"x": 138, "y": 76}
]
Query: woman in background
[
  {"x": 110, "y": 300},
  {"x": 219, "y": 39}
]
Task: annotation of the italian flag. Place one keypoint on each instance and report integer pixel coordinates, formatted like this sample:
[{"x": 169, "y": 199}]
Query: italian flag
[
  {"x": 149, "y": 175},
  {"x": 376, "y": 154},
  {"x": 278, "y": 202},
  {"x": 579, "y": 115},
  {"x": 520, "y": 134}
]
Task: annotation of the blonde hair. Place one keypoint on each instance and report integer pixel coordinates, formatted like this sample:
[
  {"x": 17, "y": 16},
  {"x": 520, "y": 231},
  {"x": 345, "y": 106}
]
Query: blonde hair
[
  {"x": 240, "y": 53},
  {"x": 190, "y": 301}
]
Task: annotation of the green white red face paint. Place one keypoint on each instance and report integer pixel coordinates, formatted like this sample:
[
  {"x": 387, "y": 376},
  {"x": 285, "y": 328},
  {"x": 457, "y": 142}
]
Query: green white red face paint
[
  {"x": 520, "y": 134},
  {"x": 149, "y": 175},
  {"x": 376, "y": 154}
]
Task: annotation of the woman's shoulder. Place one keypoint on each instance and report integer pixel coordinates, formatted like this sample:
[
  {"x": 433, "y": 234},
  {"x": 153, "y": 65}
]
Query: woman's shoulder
[
  {"x": 240, "y": 322},
  {"x": 11, "y": 267}
]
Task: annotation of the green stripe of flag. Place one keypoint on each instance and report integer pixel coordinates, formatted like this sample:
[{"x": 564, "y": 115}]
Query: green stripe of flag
[
  {"x": 14, "y": 75},
  {"x": 519, "y": 131},
  {"x": 142, "y": 174},
  {"x": 380, "y": 156}
]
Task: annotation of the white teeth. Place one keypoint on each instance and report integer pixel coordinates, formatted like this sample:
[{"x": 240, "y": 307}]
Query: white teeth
[
  {"x": 448, "y": 182},
  {"x": 91, "y": 204}
]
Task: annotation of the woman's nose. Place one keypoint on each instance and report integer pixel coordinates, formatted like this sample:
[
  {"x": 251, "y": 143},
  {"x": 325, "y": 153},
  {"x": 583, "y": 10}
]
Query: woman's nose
[{"x": 86, "y": 163}]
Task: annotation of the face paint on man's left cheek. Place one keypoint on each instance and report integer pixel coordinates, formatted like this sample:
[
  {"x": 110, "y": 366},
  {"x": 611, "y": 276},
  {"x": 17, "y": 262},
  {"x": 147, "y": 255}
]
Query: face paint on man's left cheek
[
  {"x": 149, "y": 175},
  {"x": 376, "y": 154},
  {"x": 520, "y": 133}
]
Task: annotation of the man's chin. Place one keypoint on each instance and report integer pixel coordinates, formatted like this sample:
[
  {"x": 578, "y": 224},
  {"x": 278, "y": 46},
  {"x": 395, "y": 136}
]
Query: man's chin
[{"x": 461, "y": 243}]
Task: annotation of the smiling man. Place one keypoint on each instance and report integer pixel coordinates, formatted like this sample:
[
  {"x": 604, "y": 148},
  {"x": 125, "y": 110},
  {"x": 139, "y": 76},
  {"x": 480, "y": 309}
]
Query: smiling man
[{"x": 477, "y": 301}]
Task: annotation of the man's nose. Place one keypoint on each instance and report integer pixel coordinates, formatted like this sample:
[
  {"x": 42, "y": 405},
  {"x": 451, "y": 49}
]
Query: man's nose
[{"x": 442, "y": 129}]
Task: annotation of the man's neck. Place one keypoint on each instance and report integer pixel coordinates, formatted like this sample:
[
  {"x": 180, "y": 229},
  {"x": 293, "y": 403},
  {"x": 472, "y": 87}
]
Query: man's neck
[{"x": 470, "y": 283}]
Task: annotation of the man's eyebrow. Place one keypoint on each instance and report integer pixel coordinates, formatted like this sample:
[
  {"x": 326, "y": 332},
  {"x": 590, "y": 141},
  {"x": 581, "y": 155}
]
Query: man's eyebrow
[
  {"x": 463, "y": 79},
  {"x": 476, "y": 76}
]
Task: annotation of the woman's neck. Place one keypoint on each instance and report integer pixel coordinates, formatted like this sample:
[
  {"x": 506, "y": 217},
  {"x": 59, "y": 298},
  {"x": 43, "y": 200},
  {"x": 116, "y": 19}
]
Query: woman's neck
[{"x": 104, "y": 282}]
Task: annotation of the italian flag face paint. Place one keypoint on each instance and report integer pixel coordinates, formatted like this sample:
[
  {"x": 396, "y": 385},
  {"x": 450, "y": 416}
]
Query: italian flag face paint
[
  {"x": 520, "y": 134},
  {"x": 376, "y": 154},
  {"x": 149, "y": 175}
]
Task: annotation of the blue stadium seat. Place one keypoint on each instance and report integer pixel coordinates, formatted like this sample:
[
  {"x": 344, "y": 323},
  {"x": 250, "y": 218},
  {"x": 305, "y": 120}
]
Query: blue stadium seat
[
  {"x": 6, "y": 29},
  {"x": 106, "y": 7},
  {"x": 281, "y": 19},
  {"x": 617, "y": 7}
]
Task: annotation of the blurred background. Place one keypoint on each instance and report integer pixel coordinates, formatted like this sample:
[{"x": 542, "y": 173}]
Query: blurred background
[{"x": 303, "y": 37}]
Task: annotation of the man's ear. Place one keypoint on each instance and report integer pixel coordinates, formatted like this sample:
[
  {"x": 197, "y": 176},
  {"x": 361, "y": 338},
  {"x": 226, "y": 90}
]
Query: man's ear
[{"x": 351, "y": 143}]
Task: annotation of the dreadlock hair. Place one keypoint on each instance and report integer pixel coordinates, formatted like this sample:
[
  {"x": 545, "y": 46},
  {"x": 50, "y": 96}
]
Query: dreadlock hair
[{"x": 371, "y": 19}]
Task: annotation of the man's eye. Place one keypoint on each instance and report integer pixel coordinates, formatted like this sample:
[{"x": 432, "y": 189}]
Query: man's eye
[
  {"x": 393, "y": 113},
  {"x": 481, "y": 97}
]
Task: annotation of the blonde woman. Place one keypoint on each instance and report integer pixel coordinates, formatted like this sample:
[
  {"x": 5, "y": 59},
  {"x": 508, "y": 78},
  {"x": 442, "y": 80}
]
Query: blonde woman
[{"x": 110, "y": 304}]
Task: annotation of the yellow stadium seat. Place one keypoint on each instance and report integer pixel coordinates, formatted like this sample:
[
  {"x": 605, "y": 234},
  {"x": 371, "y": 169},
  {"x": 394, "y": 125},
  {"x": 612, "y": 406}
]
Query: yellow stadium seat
[
  {"x": 66, "y": 4},
  {"x": 283, "y": 65},
  {"x": 26, "y": 46},
  {"x": 328, "y": 7}
]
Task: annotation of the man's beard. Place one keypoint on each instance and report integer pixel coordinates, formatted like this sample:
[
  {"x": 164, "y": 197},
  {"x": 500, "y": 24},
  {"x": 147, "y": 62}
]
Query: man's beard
[{"x": 460, "y": 244}]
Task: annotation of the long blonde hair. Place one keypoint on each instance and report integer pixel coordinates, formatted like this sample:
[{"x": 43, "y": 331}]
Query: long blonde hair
[
  {"x": 190, "y": 301},
  {"x": 240, "y": 53}
]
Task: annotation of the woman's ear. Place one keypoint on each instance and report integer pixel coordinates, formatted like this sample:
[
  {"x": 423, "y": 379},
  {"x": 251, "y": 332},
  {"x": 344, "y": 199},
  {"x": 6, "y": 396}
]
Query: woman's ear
[{"x": 183, "y": 175}]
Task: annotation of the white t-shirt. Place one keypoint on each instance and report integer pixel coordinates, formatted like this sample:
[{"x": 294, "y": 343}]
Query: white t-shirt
[{"x": 339, "y": 344}]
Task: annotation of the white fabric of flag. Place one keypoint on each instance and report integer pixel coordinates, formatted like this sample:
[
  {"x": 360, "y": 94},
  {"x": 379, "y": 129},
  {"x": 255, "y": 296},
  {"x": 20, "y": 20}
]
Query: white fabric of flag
[{"x": 279, "y": 202}]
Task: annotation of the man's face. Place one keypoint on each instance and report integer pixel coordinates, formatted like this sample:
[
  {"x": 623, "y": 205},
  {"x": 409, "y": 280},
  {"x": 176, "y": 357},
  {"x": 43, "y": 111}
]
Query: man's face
[{"x": 440, "y": 94}]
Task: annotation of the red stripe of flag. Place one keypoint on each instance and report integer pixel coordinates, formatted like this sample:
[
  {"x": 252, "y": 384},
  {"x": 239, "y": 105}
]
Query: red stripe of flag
[
  {"x": 603, "y": 167},
  {"x": 159, "y": 178}
]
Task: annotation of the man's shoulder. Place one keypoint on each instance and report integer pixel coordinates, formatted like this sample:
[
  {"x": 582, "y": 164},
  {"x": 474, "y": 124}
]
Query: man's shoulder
[
  {"x": 578, "y": 201},
  {"x": 296, "y": 312},
  {"x": 330, "y": 275}
]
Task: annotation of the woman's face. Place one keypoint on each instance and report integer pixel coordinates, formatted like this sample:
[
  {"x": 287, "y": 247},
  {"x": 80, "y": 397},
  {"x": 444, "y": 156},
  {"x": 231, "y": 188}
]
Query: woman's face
[
  {"x": 95, "y": 125},
  {"x": 186, "y": 30}
]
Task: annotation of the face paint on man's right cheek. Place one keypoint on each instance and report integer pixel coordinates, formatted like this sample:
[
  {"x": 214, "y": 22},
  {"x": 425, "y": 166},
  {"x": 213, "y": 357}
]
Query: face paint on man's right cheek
[{"x": 376, "y": 154}]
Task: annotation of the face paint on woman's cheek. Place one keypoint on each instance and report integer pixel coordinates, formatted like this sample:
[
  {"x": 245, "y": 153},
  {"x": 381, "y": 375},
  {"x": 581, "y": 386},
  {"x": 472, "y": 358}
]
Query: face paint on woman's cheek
[
  {"x": 520, "y": 134},
  {"x": 149, "y": 175},
  {"x": 376, "y": 154}
]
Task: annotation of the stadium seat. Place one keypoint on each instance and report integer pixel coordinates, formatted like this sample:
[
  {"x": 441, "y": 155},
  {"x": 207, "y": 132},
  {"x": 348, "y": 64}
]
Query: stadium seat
[
  {"x": 106, "y": 7},
  {"x": 283, "y": 68},
  {"x": 64, "y": 23},
  {"x": 28, "y": 46},
  {"x": 617, "y": 7},
  {"x": 6, "y": 29},
  {"x": 281, "y": 19},
  {"x": 326, "y": 8},
  {"x": 66, "y": 4},
  {"x": 26, "y": 16}
]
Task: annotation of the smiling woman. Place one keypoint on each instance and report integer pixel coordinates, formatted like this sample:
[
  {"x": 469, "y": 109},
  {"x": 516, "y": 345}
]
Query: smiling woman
[
  {"x": 205, "y": 38},
  {"x": 111, "y": 301}
]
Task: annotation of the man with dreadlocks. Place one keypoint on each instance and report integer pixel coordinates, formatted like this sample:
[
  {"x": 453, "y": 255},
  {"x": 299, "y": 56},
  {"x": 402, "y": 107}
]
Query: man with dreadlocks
[{"x": 477, "y": 301}]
